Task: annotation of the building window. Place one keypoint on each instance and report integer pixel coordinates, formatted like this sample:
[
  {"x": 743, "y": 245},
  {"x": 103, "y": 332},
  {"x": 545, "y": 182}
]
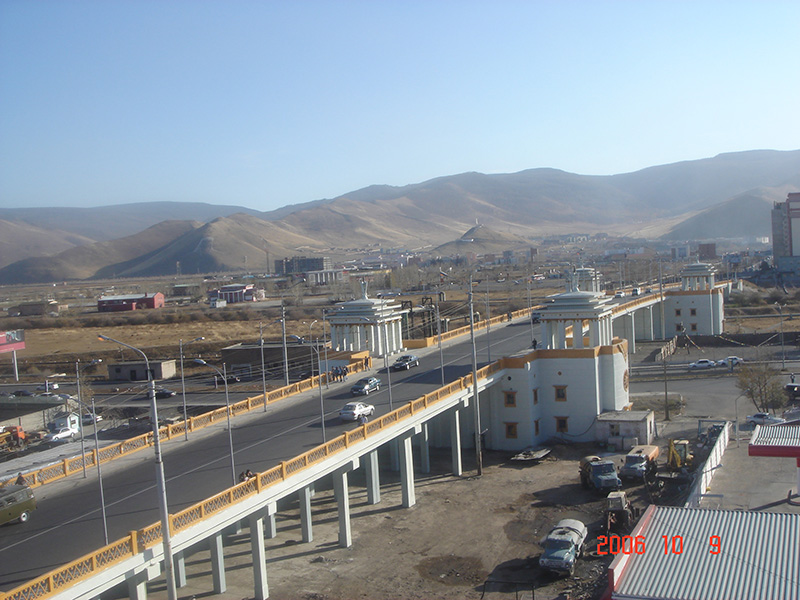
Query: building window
[
  {"x": 536, "y": 427},
  {"x": 679, "y": 327},
  {"x": 510, "y": 398},
  {"x": 561, "y": 425},
  {"x": 693, "y": 312},
  {"x": 536, "y": 396},
  {"x": 511, "y": 431},
  {"x": 677, "y": 312},
  {"x": 694, "y": 326},
  {"x": 561, "y": 393},
  {"x": 613, "y": 429}
]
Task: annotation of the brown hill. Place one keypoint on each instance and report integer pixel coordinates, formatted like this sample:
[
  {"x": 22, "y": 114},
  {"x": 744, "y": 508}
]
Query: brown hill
[
  {"x": 532, "y": 203},
  {"x": 83, "y": 262},
  {"x": 21, "y": 240}
]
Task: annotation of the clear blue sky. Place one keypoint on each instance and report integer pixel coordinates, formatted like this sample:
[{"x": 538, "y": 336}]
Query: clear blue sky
[{"x": 265, "y": 104}]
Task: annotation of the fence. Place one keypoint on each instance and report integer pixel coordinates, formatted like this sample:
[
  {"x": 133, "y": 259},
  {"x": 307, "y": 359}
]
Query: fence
[
  {"x": 714, "y": 459},
  {"x": 147, "y": 537}
]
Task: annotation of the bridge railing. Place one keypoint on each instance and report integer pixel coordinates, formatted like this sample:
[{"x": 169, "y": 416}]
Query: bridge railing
[
  {"x": 149, "y": 536},
  {"x": 70, "y": 466}
]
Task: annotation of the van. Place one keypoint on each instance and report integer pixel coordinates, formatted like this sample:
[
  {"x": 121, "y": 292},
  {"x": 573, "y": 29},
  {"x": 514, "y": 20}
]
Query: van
[
  {"x": 638, "y": 462},
  {"x": 16, "y": 503}
]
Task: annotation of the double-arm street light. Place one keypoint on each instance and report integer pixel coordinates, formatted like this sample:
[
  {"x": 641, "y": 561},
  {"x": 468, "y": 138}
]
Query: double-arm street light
[
  {"x": 224, "y": 375},
  {"x": 96, "y": 444},
  {"x": 169, "y": 568},
  {"x": 183, "y": 388}
]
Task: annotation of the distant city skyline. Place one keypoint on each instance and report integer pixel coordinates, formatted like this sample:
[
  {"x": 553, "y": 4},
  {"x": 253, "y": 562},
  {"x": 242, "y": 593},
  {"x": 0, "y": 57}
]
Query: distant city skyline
[{"x": 268, "y": 104}]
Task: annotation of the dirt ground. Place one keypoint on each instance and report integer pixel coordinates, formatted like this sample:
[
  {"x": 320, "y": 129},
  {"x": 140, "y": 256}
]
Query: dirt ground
[{"x": 466, "y": 537}]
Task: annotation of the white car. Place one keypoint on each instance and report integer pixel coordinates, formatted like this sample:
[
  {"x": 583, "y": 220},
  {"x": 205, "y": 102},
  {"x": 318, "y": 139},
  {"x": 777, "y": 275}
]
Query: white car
[
  {"x": 764, "y": 419},
  {"x": 65, "y": 433},
  {"x": 353, "y": 411},
  {"x": 703, "y": 363},
  {"x": 730, "y": 361},
  {"x": 46, "y": 387}
]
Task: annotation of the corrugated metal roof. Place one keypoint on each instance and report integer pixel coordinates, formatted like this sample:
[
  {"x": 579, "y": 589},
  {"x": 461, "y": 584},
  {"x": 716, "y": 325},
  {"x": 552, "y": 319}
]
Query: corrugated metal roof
[
  {"x": 776, "y": 435},
  {"x": 759, "y": 557}
]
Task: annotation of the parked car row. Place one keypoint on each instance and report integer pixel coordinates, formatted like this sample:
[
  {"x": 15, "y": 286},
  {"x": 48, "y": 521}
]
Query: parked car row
[{"x": 705, "y": 363}]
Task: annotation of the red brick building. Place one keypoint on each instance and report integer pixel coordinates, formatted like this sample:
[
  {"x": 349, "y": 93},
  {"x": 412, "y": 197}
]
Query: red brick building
[{"x": 130, "y": 302}]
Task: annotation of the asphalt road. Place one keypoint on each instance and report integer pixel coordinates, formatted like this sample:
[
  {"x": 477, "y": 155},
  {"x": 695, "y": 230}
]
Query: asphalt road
[{"x": 68, "y": 521}]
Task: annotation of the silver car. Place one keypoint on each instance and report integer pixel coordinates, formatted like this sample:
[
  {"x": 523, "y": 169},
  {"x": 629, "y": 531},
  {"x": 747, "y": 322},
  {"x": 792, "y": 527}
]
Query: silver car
[{"x": 353, "y": 411}]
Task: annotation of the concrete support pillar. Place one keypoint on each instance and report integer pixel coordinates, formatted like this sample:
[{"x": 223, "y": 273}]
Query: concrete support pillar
[
  {"x": 260, "y": 587},
  {"x": 577, "y": 333},
  {"x": 179, "y": 563},
  {"x": 594, "y": 333},
  {"x": 407, "y": 472},
  {"x": 373, "y": 478},
  {"x": 455, "y": 441},
  {"x": 271, "y": 527},
  {"x": 137, "y": 586},
  {"x": 424, "y": 449},
  {"x": 394, "y": 458},
  {"x": 631, "y": 326},
  {"x": 217, "y": 563},
  {"x": 342, "y": 496},
  {"x": 305, "y": 513},
  {"x": 648, "y": 324}
]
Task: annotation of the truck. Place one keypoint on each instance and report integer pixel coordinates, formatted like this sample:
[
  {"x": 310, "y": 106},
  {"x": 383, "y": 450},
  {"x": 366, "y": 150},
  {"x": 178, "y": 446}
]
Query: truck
[
  {"x": 640, "y": 461},
  {"x": 12, "y": 437},
  {"x": 599, "y": 474}
]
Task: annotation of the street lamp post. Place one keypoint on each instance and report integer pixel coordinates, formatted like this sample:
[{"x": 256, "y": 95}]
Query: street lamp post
[
  {"x": 783, "y": 349},
  {"x": 385, "y": 354},
  {"x": 263, "y": 369},
  {"x": 224, "y": 375},
  {"x": 96, "y": 444},
  {"x": 530, "y": 308},
  {"x": 325, "y": 345},
  {"x": 183, "y": 387},
  {"x": 319, "y": 385},
  {"x": 475, "y": 403},
  {"x": 80, "y": 423},
  {"x": 169, "y": 568},
  {"x": 311, "y": 353}
]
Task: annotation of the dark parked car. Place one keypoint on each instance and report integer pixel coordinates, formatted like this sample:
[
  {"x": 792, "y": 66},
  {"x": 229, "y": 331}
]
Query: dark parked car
[{"x": 405, "y": 362}]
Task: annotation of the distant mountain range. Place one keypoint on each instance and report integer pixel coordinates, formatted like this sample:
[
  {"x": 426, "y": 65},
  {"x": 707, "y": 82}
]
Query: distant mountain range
[{"x": 727, "y": 196}]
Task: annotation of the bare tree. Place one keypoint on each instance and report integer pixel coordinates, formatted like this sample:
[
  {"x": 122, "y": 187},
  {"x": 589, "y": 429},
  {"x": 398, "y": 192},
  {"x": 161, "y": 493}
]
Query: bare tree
[{"x": 762, "y": 385}]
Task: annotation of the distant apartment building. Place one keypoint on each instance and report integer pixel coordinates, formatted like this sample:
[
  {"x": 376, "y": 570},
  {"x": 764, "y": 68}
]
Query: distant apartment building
[
  {"x": 786, "y": 233},
  {"x": 302, "y": 264},
  {"x": 130, "y": 302},
  {"x": 707, "y": 251}
]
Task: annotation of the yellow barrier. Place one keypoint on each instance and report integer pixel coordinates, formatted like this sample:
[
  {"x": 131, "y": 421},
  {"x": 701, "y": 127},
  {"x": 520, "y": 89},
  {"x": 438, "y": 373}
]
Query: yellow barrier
[{"x": 147, "y": 537}]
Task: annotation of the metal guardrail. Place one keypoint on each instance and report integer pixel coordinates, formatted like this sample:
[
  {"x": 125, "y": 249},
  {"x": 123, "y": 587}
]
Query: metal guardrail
[
  {"x": 70, "y": 466},
  {"x": 137, "y": 541}
]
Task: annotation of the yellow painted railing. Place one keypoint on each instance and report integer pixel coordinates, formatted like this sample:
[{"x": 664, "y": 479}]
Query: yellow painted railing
[
  {"x": 70, "y": 466},
  {"x": 147, "y": 537}
]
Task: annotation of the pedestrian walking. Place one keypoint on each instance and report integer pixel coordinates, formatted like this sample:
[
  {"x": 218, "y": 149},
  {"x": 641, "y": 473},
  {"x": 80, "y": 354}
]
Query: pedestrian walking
[
  {"x": 792, "y": 377},
  {"x": 535, "y": 343},
  {"x": 344, "y": 373}
]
